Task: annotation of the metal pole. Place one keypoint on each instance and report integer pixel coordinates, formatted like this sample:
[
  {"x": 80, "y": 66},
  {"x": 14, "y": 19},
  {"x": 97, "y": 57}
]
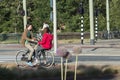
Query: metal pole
[
  {"x": 107, "y": 18},
  {"x": 51, "y": 12},
  {"x": 91, "y": 22},
  {"x": 96, "y": 28},
  {"x": 25, "y": 14},
  {"x": 82, "y": 30},
  {"x": 62, "y": 68},
  {"x": 81, "y": 10},
  {"x": 96, "y": 24},
  {"x": 55, "y": 25}
]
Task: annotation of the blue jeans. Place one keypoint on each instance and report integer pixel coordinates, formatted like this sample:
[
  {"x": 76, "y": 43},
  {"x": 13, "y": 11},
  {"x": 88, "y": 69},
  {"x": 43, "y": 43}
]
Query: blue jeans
[{"x": 41, "y": 50}]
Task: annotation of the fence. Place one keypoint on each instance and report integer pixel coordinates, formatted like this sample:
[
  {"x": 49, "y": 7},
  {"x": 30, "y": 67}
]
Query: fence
[{"x": 67, "y": 35}]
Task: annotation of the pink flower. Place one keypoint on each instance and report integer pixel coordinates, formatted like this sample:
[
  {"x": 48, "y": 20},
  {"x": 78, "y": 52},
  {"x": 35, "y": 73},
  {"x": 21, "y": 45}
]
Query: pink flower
[{"x": 63, "y": 52}]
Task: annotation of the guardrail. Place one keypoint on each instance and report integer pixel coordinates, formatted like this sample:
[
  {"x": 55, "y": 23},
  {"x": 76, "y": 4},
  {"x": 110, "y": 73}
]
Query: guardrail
[
  {"x": 67, "y": 35},
  {"x": 10, "y": 36}
]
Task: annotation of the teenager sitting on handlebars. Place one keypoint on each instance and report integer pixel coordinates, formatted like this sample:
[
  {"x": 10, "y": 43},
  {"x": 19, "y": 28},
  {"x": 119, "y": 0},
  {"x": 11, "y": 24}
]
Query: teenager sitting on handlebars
[{"x": 45, "y": 43}]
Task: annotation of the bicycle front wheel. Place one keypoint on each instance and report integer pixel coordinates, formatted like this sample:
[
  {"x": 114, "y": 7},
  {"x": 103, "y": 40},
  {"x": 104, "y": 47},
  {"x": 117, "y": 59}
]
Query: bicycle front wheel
[{"x": 21, "y": 58}]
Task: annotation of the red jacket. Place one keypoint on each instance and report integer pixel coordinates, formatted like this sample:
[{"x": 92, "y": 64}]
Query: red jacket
[{"x": 46, "y": 41}]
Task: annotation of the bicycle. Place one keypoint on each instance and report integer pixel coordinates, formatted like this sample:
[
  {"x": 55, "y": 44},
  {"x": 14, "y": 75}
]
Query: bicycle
[{"x": 22, "y": 58}]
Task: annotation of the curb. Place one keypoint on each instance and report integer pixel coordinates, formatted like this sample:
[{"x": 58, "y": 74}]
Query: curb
[{"x": 94, "y": 46}]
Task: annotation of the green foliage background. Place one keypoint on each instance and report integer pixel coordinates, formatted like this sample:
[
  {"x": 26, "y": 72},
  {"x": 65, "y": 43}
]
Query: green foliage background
[{"x": 67, "y": 13}]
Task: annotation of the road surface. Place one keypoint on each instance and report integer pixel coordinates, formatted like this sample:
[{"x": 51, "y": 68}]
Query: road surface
[{"x": 88, "y": 56}]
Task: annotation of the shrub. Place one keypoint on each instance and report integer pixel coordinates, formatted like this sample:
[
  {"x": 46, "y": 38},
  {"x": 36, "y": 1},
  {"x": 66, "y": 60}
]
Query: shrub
[{"x": 89, "y": 72}]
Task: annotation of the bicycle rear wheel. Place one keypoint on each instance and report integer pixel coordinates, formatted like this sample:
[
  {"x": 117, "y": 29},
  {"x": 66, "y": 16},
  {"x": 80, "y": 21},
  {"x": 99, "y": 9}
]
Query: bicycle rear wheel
[
  {"x": 49, "y": 58},
  {"x": 21, "y": 58}
]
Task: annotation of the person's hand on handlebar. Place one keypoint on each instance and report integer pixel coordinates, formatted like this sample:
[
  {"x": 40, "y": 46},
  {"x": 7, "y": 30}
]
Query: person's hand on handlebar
[{"x": 34, "y": 39}]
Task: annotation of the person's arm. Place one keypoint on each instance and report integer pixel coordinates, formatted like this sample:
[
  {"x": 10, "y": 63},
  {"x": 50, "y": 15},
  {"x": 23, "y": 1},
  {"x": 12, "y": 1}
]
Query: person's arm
[{"x": 43, "y": 39}]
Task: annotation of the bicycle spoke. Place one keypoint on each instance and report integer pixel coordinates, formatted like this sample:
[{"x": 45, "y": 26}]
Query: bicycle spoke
[{"x": 21, "y": 58}]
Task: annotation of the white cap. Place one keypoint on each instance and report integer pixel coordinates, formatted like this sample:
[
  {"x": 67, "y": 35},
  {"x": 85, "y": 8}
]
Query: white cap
[{"x": 45, "y": 26}]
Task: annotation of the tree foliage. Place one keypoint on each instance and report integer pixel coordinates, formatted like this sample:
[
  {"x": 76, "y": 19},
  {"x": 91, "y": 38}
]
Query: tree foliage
[{"x": 38, "y": 12}]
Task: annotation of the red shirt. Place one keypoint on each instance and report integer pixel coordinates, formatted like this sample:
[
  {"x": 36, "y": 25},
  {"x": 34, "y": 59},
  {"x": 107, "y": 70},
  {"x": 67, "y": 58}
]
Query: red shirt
[{"x": 46, "y": 41}]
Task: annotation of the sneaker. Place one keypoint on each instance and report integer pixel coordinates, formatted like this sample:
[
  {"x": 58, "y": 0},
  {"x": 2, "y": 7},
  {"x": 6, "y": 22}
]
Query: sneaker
[{"x": 30, "y": 64}]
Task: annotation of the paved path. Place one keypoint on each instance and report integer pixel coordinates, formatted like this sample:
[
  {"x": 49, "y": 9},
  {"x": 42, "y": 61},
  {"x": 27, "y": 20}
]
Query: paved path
[{"x": 103, "y": 52}]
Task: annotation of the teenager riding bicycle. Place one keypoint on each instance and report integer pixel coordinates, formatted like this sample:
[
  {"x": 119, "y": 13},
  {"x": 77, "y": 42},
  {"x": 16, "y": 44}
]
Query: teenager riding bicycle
[
  {"x": 45, "y": 43},
  {"x": 27, "y": 37}
]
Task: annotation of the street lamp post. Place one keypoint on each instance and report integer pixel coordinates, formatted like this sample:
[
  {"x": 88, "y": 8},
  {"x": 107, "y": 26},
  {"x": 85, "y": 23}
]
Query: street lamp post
[
  {"x": 55, "y": 25},
  {"x": 107, "y": 18},
  {"x": 25, "y": 14},
  {"x": 91, "y": 22}
]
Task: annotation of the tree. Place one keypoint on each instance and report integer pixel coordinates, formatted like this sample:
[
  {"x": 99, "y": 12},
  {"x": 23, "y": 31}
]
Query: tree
[{"x": 38, "y": 12}]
